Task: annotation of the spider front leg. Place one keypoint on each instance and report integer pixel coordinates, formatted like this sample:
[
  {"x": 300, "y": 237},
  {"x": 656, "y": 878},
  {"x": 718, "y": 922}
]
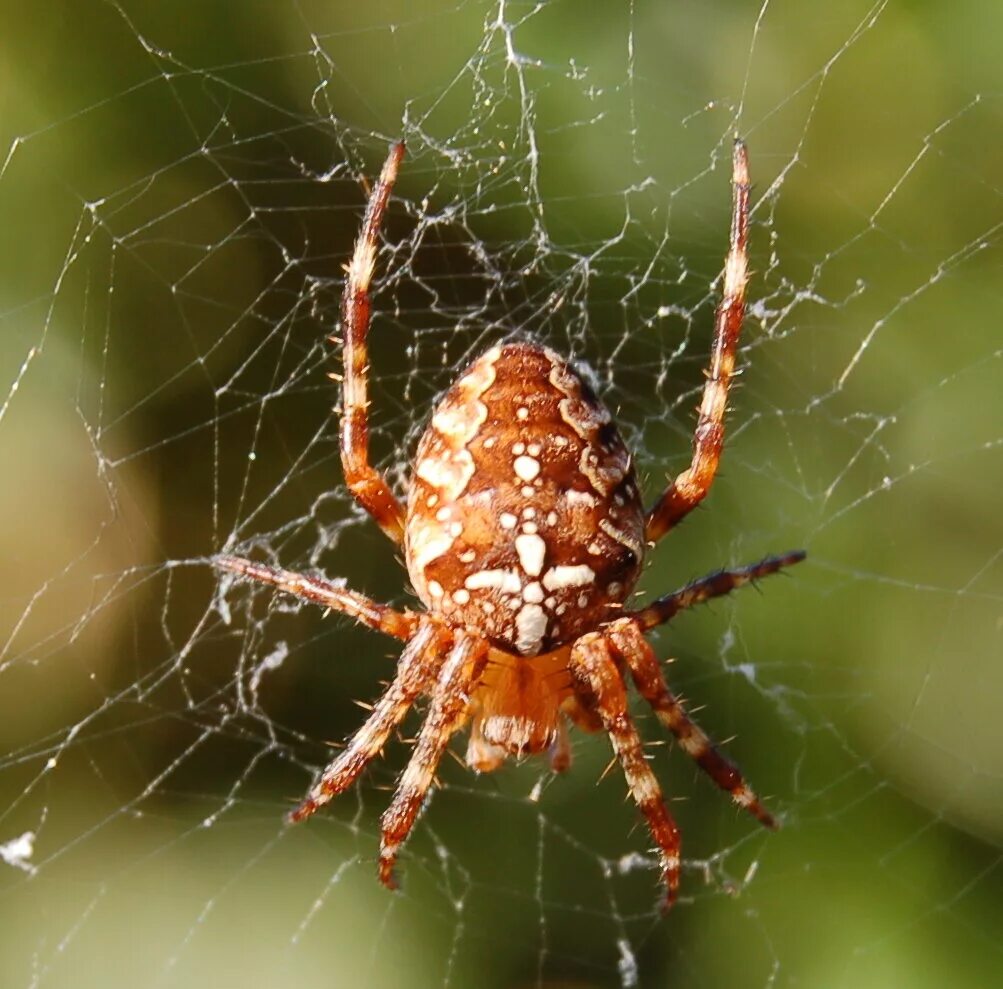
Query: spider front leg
[
  {"x": 416, "y": 670},
  {"x": 599, "y": 688},
  {"x": 368, "y": 486},
  {"x": 632, "y": 647},
  {"x": 692, "y": 485},
  {"x": 450, "y": 701}
]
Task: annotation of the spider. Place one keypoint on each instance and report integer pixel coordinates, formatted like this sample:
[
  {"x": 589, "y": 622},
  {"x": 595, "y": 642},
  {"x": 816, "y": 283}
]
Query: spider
[{"x": 524, "y": 534}]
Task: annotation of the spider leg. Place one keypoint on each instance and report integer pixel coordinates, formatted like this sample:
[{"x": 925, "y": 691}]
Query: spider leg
[
  {"x": 713, "y": 585},
  {"x": 400, "y": 624},
  {"x": 368, "y": 486},
  {"x": 450, "y": 701},
  {"x": 418, "y": 665},
  {"x": 631, "y": 646},
  {"x": 691, "y": 486},
  {"x": 600, "y": 688}
]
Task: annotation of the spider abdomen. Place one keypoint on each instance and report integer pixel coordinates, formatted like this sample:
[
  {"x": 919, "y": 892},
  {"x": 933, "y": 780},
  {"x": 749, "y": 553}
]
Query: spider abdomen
[{"x": 524, "y": 519}]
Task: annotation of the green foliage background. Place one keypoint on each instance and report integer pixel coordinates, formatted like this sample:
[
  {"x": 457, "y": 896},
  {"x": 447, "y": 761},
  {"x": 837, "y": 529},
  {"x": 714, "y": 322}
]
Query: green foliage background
[{"x": 869, "y": 429}]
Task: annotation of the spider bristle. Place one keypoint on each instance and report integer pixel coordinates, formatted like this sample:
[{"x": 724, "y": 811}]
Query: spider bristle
[
  {"x": 607, "y": 770},
  {"x": 458, "y": 759},
  {"x": 365, "y": 705}
]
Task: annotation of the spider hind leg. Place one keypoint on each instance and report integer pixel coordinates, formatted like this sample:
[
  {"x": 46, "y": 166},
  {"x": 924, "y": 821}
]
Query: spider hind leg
[
  {"x": 690, "y": 487},
  {"x": 367, "y": 484}
]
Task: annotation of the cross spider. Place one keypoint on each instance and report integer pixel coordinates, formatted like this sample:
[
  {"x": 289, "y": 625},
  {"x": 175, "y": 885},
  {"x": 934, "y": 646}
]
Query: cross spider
[{"x": 523, "y": 535}]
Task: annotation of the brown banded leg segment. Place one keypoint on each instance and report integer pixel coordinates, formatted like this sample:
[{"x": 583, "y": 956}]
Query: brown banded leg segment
[
  {"x": 416, "y": 670},
  {"x": 447, "y": 713},
  {"x": 400, "y": 624},
  {"x": 713, "y": 585},
  {"x": 368, "y": 486},
  {"x": 600, "y": 688},
  {"x": 631, "y": 646},
  {"x": 692, "y": 485}
]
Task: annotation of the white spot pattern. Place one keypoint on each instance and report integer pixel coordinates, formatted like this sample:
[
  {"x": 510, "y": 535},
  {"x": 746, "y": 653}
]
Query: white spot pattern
[
  {"x": 532, "y": 550},
  {"x": 526, "y": 468},
  {"x": 531, "y": 625},
  {"x": 557, "y": 578},
  {"x": 533, "y": 593},
  {"x": 506, "y": 581}
]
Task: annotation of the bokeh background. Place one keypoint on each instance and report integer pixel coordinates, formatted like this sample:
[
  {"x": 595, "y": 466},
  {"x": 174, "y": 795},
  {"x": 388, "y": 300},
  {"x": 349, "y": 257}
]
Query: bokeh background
[{"x": 179, "y": 185}]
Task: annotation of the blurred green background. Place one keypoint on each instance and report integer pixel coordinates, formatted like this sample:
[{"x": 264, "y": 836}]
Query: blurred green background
[{"x": 180, "y": 185}]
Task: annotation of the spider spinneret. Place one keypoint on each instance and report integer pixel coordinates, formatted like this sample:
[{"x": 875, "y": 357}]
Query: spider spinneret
[{"x": 523, "y": 535}]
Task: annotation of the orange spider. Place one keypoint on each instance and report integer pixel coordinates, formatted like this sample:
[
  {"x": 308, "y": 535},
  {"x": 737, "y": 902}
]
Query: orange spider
[{"x": 524, "y": 534}]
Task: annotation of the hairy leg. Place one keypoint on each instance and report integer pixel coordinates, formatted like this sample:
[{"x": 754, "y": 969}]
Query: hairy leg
[
  {"x": 631, "y": 646},
  {"x": 368, "y": 486},
  {"x": 400, "y": 624},
  {"x": 450, "y": 701},
  {"x": 713, "y": 585},
  {"x": 600, "y": 688},
  {"x": 691, "y": 486},
  {"x": 416, "y": 670}
]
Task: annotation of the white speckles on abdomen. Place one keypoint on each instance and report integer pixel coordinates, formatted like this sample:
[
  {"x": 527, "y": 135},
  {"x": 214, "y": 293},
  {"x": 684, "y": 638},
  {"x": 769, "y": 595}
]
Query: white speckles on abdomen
[
  {"x": 532, "y": 552},
  {"x": 531, "y": 626},
  {"x": 523, "y": 504}
]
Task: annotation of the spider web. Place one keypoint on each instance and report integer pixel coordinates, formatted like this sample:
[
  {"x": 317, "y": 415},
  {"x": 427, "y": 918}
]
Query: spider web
[{"x": 180, "y": 189}]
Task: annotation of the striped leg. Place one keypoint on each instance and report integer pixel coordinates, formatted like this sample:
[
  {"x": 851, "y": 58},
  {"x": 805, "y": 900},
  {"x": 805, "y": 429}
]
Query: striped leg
[
  {"x": 368, "y": 486},
  {"x": 416, "y": 669},
  {"x": 692, "y": 485},
  {"x": 400, "y": 624},
  {"x": 712, "y": 586},
  {"x": 450, "y": 701},
  {"x": 600, "y": 688},
  {"x": 631, "y": 646}
]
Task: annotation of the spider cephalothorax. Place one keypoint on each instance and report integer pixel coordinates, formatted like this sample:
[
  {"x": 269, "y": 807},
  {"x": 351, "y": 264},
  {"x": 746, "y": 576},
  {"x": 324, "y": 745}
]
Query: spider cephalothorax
[{"x": 523, "y": 534}]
